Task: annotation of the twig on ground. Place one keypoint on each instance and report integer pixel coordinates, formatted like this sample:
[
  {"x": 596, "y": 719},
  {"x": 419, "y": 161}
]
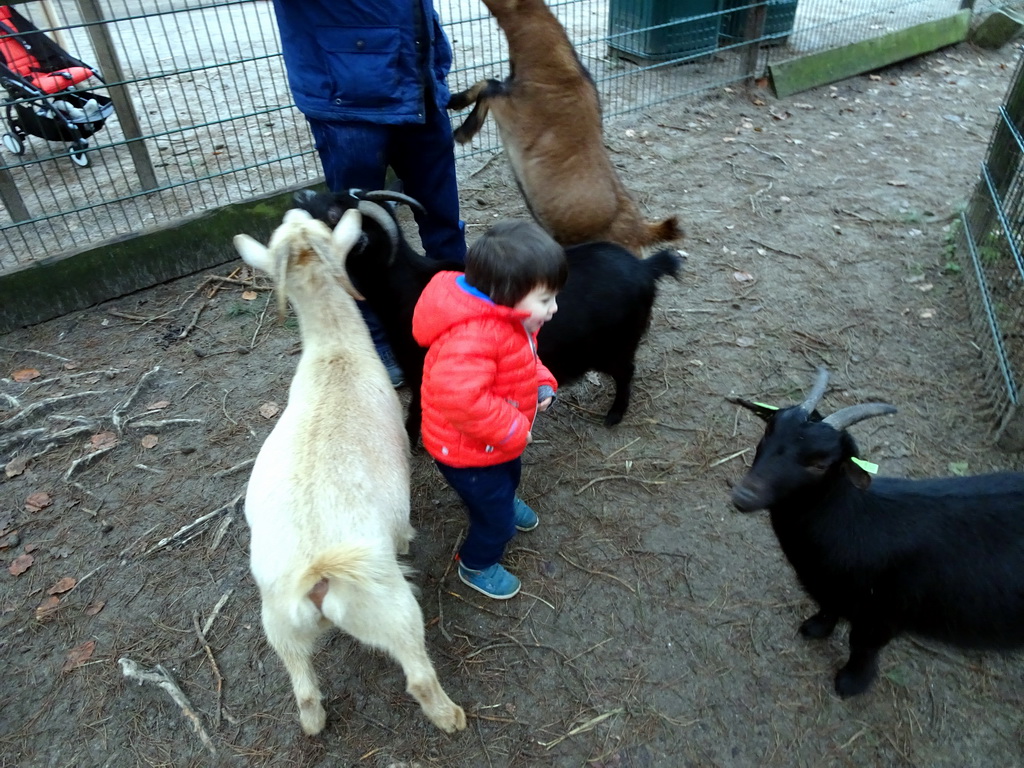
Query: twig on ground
[
  {"x": 596, "y": 573},
  {"x": 133, "y": 318},
  {"x": 88, "y": 459},
  {"x": 730, "y": 457},
  {"x": 231, "y": 470},
  {"x": 216, "y": 610},
  {"x": 213, "y": 665},
  {"x": 161, "y": 423},
  {"x": 183, "y": 531},
  {"x": 221, "y": 530},
  {"x": 620, "y": 477},
  {"x": 259, "y": 323},
  {"x": 37, "y": 352},
  {"x": 763, "y": 152},
  {"x": 161, "y": 677},
  {"x": 581, "y": 728},
  {"x": 195, "y": 319},
  {"x": 484, "y": 167},
  {"x": 115, "y": 415},
  {"x": 43, "y": 405}
]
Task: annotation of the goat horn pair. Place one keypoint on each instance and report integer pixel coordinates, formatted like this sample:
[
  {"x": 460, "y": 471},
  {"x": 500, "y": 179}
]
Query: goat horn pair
[
  {"x": 844, "y": 417},
  {"x": 847, "y": 417},
  {"x": 376, "y": 212}
]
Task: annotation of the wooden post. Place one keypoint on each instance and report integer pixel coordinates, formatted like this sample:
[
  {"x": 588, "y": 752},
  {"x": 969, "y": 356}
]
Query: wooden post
[
  {"x": 110, "y": 66},
  {"x": 753, "y": 31},
  {"x": 11, "y": 197},
  {"x": 53, "y": 22}
]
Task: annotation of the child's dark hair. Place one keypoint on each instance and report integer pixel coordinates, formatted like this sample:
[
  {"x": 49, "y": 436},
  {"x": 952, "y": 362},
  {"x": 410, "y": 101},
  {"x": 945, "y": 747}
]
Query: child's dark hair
[{"x": 512, "y": 258}]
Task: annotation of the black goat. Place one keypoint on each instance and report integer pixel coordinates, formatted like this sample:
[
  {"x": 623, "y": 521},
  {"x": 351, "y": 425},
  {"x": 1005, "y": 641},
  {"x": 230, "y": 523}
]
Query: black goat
[
  {"x": 940, "y": 558},
  {"x": 603, "y": 310}
]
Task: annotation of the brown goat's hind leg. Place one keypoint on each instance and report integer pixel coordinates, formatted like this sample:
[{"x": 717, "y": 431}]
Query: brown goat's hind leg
[{"x": 479, "y": 96}]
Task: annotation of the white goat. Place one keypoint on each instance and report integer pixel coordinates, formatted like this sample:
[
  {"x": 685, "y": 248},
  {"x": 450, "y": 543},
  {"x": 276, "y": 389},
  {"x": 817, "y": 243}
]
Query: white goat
[{"x": 328, "y": 499}]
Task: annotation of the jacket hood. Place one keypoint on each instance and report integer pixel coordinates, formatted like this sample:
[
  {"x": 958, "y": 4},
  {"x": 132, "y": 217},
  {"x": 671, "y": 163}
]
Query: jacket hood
[{"x": 448, "y": 301}]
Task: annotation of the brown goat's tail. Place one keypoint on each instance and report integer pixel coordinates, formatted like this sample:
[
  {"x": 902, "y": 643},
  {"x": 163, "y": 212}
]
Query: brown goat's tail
[{"x": 665, "y": 231}]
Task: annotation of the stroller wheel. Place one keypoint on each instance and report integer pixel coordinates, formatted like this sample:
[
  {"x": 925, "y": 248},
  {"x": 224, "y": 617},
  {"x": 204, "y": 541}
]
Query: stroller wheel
[
  {"x": 13, "y": 143},
  {"x": 78, "y": 153}
]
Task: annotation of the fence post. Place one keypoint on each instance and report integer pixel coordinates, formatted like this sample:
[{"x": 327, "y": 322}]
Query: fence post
[
  {"x": 11, "y": 197},
  {"x": 110, "y": 65},
  {"x": 753, "y": 31}
]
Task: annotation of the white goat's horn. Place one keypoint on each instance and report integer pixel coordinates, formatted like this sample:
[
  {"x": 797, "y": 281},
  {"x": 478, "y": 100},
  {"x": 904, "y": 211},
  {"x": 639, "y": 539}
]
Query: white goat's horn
[
  {"x": 811, "y": 402},
  {"x": 847, "y": 417}
]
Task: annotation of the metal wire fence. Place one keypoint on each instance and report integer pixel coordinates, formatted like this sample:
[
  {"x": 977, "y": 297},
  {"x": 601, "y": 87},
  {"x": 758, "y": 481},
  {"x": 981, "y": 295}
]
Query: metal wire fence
[
  {"x": 203, "y": 115},
  {"x": 991, "y": 244}
]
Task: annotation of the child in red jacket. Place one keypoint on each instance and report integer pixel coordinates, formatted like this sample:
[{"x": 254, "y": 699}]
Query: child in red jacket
[{"x": 483, "y": 384}]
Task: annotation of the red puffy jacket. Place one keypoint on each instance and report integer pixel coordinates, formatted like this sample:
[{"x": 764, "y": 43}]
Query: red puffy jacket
[{"x": 481, "y": 376}]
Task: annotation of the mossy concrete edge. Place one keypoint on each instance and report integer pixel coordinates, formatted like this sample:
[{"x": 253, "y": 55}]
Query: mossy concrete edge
[
  {"x": 816, "y": 69},
  {"x": 56, "y": 285}
]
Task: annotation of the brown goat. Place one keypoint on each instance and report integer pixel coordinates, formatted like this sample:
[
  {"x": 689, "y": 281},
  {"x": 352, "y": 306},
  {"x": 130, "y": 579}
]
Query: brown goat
[{"x": 549, "y": 119}]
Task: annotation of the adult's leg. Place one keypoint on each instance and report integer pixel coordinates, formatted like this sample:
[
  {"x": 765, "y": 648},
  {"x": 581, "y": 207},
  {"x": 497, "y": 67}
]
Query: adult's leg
[
  {"x": 354, "y": 155},
  {"x": 423, "y": 156},
  {"x": 488, "y": 494}
]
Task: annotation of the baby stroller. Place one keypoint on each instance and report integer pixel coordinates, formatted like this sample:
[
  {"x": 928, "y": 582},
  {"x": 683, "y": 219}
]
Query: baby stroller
[{"x": 39, "y": 77}]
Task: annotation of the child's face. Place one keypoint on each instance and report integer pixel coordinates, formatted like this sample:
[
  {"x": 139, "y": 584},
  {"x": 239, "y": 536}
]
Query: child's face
[{"x": 540, "y": 303}]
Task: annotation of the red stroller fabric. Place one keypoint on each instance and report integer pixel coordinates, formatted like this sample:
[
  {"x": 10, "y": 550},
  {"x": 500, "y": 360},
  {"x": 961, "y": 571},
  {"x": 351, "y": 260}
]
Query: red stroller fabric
[{"x": 20, "y": 60}]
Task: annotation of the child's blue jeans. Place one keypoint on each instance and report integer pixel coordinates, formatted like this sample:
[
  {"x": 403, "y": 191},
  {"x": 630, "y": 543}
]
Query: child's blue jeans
[{"x": 488, "y": 493}]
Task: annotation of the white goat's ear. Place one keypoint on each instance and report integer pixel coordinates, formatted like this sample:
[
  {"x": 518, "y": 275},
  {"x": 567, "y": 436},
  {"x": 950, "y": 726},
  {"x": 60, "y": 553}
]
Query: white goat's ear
[
  {"x": 253, "y": 252},
  {"x": 348, "y": 231},
  {"x": 344, "y": 236}
]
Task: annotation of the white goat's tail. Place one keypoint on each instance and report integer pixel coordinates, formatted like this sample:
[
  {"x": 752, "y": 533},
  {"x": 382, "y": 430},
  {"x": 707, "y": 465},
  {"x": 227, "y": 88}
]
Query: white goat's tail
[{"x": 356, "y": 565}]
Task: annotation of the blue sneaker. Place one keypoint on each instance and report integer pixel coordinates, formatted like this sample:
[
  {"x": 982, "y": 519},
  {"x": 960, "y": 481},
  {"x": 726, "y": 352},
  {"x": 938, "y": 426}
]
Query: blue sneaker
[
  {"x": 391, "y": 365},
  {"x": 524, "y": 517},
  {"x": 493, "y": 581}
]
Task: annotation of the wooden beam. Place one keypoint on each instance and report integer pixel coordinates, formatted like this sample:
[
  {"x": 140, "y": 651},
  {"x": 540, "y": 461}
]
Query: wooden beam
[{"x": 795, "y": 75}]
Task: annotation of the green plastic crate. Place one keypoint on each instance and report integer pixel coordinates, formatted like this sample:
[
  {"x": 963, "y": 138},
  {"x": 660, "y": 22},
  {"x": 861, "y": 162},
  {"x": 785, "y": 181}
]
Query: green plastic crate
[
  {"x": 778, "y": 20},
  {"x": 630, "y": 25}
]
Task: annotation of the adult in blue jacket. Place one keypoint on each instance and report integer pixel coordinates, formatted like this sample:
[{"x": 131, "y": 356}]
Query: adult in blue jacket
[{"x": 369, "y": 75}]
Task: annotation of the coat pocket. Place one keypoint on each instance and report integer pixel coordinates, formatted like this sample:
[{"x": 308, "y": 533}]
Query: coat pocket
[{"x": 364, "y": 65}]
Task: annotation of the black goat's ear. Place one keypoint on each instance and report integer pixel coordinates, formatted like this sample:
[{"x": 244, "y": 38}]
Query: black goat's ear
[
  {"x": 857, "y": 475},
  {"x": 762, "y": 411}
]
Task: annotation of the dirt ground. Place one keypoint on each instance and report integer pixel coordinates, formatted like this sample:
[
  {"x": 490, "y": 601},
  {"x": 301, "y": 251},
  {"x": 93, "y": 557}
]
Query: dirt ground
[{"x": 657, "y": 626}]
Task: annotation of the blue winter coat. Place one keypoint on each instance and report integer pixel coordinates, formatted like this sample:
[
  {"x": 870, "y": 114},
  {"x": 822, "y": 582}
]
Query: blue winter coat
[{"x": 360, "y": 60}]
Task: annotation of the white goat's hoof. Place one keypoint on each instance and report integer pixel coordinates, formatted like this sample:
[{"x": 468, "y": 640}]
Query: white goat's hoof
[
  {"x": 312, "y": 718},
  {"x": 452, "y": 720}
]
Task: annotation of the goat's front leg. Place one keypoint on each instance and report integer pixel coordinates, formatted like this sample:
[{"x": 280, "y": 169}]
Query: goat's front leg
[
  {"x": 478, "y": 95},
  {"x": 861, "y": 669},
  {"x": 819, "y": 626}
]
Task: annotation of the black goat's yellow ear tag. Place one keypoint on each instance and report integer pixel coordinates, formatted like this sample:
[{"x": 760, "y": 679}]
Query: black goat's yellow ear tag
[
  {"x": 859, "y": 474},
  {"x": 867, "y": 466}
]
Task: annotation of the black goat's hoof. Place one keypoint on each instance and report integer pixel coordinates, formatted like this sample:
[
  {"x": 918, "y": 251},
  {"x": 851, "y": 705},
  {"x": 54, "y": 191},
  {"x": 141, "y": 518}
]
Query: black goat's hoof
[
  {"x": 853, "y": 683},
  {"x": 818, "y": 626},
  {"x": 612, "y": 418}
]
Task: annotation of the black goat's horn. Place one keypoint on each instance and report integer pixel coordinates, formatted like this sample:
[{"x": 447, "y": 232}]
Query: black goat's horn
[
  {"x": 377, "y": 213},
  {"x": 847, "y": 417},
  {"x": 394, "y": 197},
  {"x": 811, "y": 402}
]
